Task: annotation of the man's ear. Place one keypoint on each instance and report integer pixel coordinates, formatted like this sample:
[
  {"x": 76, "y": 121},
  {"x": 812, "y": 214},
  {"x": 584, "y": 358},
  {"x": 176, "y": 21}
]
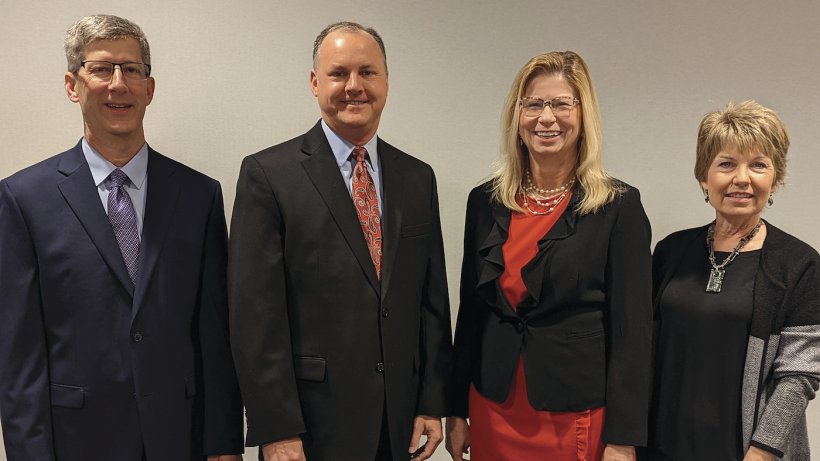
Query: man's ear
[
  {"x": 70, "y": 83},
  {"x": 314, "y": 82},
  {"x": 150, "y": 87}
]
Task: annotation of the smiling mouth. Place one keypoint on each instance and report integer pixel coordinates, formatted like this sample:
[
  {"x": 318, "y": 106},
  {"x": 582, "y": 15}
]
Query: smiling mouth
[
  {"x": 547, "y": 134},
  {"x": 739, "y": 195},
  {"x": 355, "y": 102},
  {"x": 118, "y": 106}
]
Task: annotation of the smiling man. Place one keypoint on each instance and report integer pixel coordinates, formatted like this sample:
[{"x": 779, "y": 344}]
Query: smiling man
[
  {"x": 339, "y": 307},
  {"x": 113, "y": 324}
]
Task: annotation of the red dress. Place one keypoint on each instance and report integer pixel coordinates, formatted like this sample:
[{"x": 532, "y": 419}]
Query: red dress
[{"x": 514, "y": 430}]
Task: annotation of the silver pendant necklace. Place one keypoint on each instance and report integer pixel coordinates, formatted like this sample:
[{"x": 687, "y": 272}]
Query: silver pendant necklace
[{"x": 719, "y": 271}]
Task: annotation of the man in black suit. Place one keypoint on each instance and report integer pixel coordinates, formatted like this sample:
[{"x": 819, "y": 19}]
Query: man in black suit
[
  {"x": 113, "y": 294},
  {"x": 339, "y": 306}
]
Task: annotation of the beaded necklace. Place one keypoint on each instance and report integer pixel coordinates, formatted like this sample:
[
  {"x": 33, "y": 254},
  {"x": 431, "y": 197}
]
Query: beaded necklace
[{"x": 717, "y": 273}]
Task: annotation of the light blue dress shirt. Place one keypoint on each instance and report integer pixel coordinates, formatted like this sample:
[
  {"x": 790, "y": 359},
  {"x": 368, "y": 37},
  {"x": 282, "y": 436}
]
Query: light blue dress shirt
[
  {"x": 136, "y": 169},
  {"x": 342, "y": 150}
]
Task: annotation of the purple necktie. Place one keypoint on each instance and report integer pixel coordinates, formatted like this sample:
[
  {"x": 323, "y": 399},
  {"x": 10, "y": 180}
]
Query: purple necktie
[{"x": 124, "y": 221}]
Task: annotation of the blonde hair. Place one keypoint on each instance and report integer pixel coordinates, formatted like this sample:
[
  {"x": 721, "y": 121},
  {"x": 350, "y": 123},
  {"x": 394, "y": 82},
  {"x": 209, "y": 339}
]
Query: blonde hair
[
  {"x": 598, "y": 186},
  {"x": 748, "y": 126}
]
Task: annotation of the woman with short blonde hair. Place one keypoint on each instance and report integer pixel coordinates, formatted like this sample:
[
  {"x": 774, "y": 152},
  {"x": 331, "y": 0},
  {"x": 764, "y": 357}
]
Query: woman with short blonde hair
[{"x": 737, "y": 308}]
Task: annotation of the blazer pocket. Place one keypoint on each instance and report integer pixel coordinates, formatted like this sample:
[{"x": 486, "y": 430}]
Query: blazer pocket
[
  {"x": 585, "y": 334},
  {"x": 310, "y": 368},
  {"x": 190, "y": 387},
  {"x": 416, "y": 230},
  {"x": 67, "y": 396}
]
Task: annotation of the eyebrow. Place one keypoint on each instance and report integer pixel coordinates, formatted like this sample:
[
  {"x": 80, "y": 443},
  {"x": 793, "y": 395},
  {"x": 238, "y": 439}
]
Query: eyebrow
[
  {"x": 731, "y": 157},
  {"x": 549, "y": 99},
  {"x": 345, "y": 66}
]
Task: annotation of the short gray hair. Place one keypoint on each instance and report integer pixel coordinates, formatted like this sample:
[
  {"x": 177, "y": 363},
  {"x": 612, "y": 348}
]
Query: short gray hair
[
  {"x": 347, "y": 26},
  {"x": 101, "y": 27}
]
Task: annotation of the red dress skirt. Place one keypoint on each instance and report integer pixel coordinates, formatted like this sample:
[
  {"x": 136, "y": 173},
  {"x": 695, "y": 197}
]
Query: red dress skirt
[{"x": 514, "y": 430}]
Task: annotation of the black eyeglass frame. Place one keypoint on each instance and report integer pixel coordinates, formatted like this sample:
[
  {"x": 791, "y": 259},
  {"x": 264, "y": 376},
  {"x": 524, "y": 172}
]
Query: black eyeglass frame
[{"x": 120, "y": 64}]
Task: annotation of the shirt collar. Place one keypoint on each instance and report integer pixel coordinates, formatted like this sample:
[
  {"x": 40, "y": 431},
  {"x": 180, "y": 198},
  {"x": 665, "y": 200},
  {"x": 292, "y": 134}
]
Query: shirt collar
[
  {"x": 342, "y": 148},
  {"x": 136, "y": 168}
]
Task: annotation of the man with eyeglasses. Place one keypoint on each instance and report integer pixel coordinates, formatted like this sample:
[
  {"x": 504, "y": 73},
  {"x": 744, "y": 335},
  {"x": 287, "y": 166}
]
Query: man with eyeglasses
[{"x": 113, "y": 307}]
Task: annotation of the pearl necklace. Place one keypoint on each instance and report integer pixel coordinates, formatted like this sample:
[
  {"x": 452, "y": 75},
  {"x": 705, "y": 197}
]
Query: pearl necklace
[
  {"x": 549, "y": 202},
  {"x": 531, "y": 187}
]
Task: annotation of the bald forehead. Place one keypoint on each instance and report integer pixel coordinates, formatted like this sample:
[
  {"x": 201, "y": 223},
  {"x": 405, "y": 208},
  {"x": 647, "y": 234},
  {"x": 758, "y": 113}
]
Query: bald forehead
[{"x": 335, "y": 40}]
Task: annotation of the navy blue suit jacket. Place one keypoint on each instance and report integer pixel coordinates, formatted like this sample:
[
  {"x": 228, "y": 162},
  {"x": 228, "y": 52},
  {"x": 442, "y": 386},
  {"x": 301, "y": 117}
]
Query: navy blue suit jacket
[{"x": 91, "y": 366}]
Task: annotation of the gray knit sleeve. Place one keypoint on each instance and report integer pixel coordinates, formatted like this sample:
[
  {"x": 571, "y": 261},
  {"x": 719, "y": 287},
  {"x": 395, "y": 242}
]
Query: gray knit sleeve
[{"x": 795, "y": 380}]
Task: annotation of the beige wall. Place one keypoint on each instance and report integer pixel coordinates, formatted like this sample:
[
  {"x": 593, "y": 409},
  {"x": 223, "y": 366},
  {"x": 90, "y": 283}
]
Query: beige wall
[{"x": 232, "y": 78}]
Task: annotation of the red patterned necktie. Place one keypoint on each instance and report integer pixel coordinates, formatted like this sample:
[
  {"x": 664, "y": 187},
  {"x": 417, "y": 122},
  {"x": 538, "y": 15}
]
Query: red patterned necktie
[{"x": 367, "y": 207}]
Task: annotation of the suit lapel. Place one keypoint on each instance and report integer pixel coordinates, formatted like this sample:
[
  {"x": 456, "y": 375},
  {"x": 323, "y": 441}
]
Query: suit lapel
[
  {"x": 80, "y": 192},
  {"x": 323, "y": 171},
  {"x": 492, "y": 265},
  {"x": 393, "y": 194},
  {"x": 160, "y": 204},
  {"x": 533, "y": 272}
]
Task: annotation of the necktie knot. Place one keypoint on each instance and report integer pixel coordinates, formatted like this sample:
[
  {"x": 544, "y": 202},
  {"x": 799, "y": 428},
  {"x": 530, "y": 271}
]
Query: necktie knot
[
  {"x": 118, "y": 178},
  {"x": 360, "y": 154}
]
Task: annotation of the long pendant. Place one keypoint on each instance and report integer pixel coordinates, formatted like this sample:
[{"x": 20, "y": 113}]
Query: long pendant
[{"x": 715, "y": 280}]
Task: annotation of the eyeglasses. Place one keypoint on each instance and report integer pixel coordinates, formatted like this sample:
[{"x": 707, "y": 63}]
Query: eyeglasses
[
  {"x": 561, "y": 106},
  {"x": 103, "y": 71}
]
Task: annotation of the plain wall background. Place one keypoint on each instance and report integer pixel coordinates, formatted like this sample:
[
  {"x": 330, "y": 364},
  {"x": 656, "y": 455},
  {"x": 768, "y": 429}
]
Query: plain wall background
[{"x": 232, "y": 79}]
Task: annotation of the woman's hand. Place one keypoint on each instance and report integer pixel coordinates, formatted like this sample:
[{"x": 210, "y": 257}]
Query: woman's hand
[
  {"x": 458, "y": 437},
  {"x": 756, "y": 454},
  {"x": 619, "y": 453}
]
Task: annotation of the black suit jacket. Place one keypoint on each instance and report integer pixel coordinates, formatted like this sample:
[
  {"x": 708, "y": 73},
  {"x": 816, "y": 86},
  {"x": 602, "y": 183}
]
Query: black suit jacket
[
  {"x": 91, "y": 366},
  {"x": 322, "y": 347},
  {"x": 584, "y": 330}
]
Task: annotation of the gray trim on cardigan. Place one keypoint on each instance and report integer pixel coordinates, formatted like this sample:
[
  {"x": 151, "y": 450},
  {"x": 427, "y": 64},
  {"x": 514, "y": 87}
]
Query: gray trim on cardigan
[
  {"x": 794, "y": 374},
  {"x": 782, "y": 368}
]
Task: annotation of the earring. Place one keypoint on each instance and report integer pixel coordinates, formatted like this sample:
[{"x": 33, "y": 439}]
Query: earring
[
  {"x": 706, "y": 195},
  {"x": 771, "y": 200}
]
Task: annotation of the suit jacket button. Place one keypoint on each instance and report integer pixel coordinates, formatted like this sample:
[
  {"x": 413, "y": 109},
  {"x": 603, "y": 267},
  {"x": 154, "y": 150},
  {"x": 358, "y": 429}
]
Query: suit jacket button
[
  {"x": 137, "y": 337},
  {"x": 384, "y": 312},
  {"x": 380, "y": 367}
]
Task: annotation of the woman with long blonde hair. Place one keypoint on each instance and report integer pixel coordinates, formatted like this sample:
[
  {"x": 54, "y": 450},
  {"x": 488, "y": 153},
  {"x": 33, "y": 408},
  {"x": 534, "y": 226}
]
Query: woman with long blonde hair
[{"x": 554, "y": 324}]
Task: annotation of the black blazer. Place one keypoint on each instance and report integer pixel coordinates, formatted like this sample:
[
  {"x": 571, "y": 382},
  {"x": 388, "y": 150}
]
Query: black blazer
[
  {"x": 92, "y": 367},
  {"x": 584, "y": 330},
  {"x": 321, "y": 345}
]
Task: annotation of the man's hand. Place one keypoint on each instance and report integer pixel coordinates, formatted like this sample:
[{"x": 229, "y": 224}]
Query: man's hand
[
  {"x": 284, "y": 450},
  {"x": 225, "y": 458},
  {"x": 458, "y": 438},
  {"x": 429, "y": 426},
  {"x": 618, "y": 453},
  {"x": 756, "y": 454}
]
